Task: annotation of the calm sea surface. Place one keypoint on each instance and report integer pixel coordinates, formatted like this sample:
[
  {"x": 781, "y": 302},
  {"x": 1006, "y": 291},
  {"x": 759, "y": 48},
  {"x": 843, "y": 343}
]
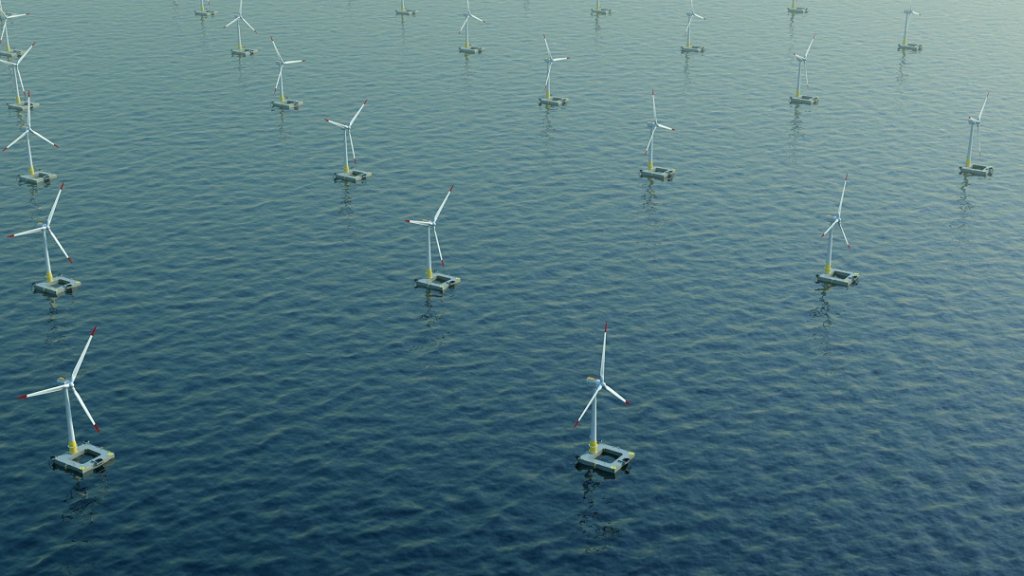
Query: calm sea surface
[{"x": 282, "y": 400}]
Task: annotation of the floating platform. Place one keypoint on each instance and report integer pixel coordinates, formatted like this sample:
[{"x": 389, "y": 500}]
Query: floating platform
[
  {"x": 244, "y": 51},
  {"x": 352, "y": 176},
  {"x": 23, "y": 107},
  {"x": 976, "y": 170},
  {"x": 11, "y": 55},
  {"x": 803, "y": 100},
  {"x": 287, "y": 104},
  {"x": 471, "y": 50},
  {"x": 686, "y": 49},
  {"x": 608, "y": 459},
  {"x": 440, "y": 282},
  {"x": 89, "y": 458},
  {"x": 658, "y": 173},
  {"x": 600, "y": 12},
  {"x": 797, "y": 10},
  {"x": 839, "y": 278},
  {"x": 41, "y": 178},
  {"x": 61, "y": 285},
  {"x": 405, "y": 12},
  {"x": 910, "y": 47},
  {"x": 553, "y": 101},
  {"x": 205, "y": 13}
]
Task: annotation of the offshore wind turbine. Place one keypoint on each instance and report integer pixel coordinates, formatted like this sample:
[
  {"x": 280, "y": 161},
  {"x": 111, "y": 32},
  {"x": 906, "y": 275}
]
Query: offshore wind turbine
[
  {"x": 595, "y": 448},
  {"x": 832, "y": 275},
  {"x": 347, "y": 174},
  {"x": 550, "y": 60},
  {"x": 652, "y": 171},
  {"x": 19, "y": 84},
  {"x": 801, "y": 69},
  {"x": 61, "y": 284},
  {"x": 598, "y": 11},
  {"x": 205, "y": 10},
  {"x": 435, "y": 281},
  {"x": 240, "y": 50},
  {"x": 969, "y": 166},
  {"x": 403, "y": 11},
  {"x": 468, "y": 48},
  {"x": 5, "y": 37},
  {"x": 97, "y": 457},
  {"x": 794, "y": 9},
  {"x": 282, "y": 101},
  {"x": 904, "y": 45},
  {"x": 689, "y": 21},
  {"x": 33, "y": 176}
]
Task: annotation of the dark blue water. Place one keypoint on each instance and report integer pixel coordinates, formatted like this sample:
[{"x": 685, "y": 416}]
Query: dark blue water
[{"x": 282, "y": 400}]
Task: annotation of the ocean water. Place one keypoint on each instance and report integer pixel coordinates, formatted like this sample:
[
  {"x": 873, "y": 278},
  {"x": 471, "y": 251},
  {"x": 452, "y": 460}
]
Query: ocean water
[{"x": 282, "y": 400}]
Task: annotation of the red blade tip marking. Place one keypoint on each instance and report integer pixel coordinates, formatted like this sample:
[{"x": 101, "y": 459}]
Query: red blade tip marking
[
  {"x": 628, "y": 403},
  {"x": 576, "y": 424},
  {"x": 23, "y": 397},
  {"x": 605, "y": 326},
  {"x": 96, "y": 427},
  {"x": 61, "y": 187},
  {"x": 93, "y": 333},
  {"x": 10, "y": 235},
  {"x": 70, "y": 261}
]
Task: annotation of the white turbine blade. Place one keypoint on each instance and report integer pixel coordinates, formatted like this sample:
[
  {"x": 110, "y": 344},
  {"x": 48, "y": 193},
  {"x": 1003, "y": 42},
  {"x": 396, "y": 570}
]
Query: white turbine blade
[
  {"x": 44, "y": 138},
  {"x": 982, "y": 111},
  {"x": 420, "y": 222},
  {"x": 59, "y": 245},
  {"x": 606, "y": 387},
  {"x": 280, "y": 78},
  {"x": 25, "y": 53},
  {"x": 438, "y": 242},
  {"x": 548, "y": 48},
  {"x": 604, "y": 347},
  {"x": 443, "y": 202},
  {"x": 669, "y": 128},
  {"x": 587, "y": 407},
  {"x": 356, "y": 115},
  {"x": 809, "y": 46},
  {"x": 54, "y": 207},
  {"x": 78, "y": 365},
  {"x": 95, "y": 426},
  {"x": 232, "y": 21},
  {"x": 560, "y": 59},
  {"x": 41, "y": 392},
  {"x": 15, "y": 141},
  {"x": 272, "y": 42},
  {"x": 293, "y": 62},
  {"x": 547, "y": 81},
  {"x": 698, "y": 15},
  {"x": 246, "y": 22},
  {"x": 651, "y": 139},
  {"x": 691, "y": 6},
  {"x": 845, "y": 239},
  {"x": 351, "y": 143},
  {"x": 839, "y": 212},
  {"x": 654, "y": 107},
  {"x": 478, "y": 19},
  {"x": 32, "y": 231},
  {"x": 829, "y": 229},
  {"x": 464, "y": 22},
  {"x": 338, "y": 124}
]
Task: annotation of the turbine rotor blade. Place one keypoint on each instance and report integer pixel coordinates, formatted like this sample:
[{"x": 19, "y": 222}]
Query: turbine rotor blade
[
  {"x": 604, "y": 347},
  {"x": 809, "y": 46},
  {"x": 235, "y": 19},
  {"x": 44, "y": 138},
  {"x": 845, "y": 239},
  {"x": 438, "y": 242},
  {"x": 548, "y": 48},
  {"x": 356, "y": 115},
  {"x": 42, "y": 392},
  {"x": 279, "y": 57},
  {"x": 669, "y": 128},
  {"x": 54, "y": 207},
  {"x": 32, "y": 231},
  {"x": 982, "y": 111},
  {"x": 338, "y": 124},
  {"x": 443, "y": 202},
  {"x": 651, "y": 139},
  {"x": 246, "y": 22},
  {"x": 59, "y": 245},
  {"x": 608, "y": 388},
  {"x": 87, "y": 413},
  {"x": 587, "y": 407},
  {"x": 78, "y": 365},
  {"x": 829, "y": 229}
]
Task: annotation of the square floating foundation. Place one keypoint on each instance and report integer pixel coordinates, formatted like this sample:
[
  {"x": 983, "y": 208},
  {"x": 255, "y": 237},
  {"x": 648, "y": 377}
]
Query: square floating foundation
[
  {"x": 205, "y": 13},
  {"x": 12, "y": 54},
  {"x": 61, "y": 285},
  {"x": 352, "y": 176},
  {"x": 40, "y": 179},
  {"x": 471, "y": 50},
  {"x": 440, "y": 282},
  {"x": 803, "y": 99},
  {"x": 839, "y": 278},
  {"x": 608, "y": 459},
  {"x": 797, "y": 10},
  {"x": 287, "y": 104},
  {"x": 405, "y": 12},
  {"x": 685, "y": 49},
  {"x": 553, "y": 101},
  {"x": 89, "y": 458},
  {"x": 244, "y": 52},
  {"x": 23, "y": 107},
  {"x": 910, "y": 47},
  {"x": 658, "y": 173},
  {"x": 600, "y": 12},
  {"x": 976, "y": 170}
]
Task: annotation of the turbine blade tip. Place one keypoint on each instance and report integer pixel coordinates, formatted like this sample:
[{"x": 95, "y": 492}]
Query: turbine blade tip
[
  {"x": 93, "y": 331},
  {"x": 23, "y": 397},
  {"x": 96, "y": 427},
  {"x": 576, "y": 424},
  {"x": 605, "y": 326},
  {"x": 628, "y": 403},
  {"x": 70, "y": 261},
  {"x": 10, "y": 235}
]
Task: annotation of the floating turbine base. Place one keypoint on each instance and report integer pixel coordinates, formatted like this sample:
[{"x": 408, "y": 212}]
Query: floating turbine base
[
  {"x": 11, "y": 54},
  {"x": 23, "y": 107},
  {"x": 287, "y": 104},
  {"x": 797, "y": 10},
  {"x": 61, "y": 285},
  {"x": 976, "y": 170},
  {"x": 803, "y": 99},
  {"x": 600, "y": 12},
  {"x": 658, "y": 173},
  {"x": 471, "y": 50},
  {"x": 839, "y": 278},
  {"x": 910, "y": 47},
  {"x": 88, "y": 459},
  {"x": 608, "y": 459},
  {"x": 440, "y": 282},
  {"x": 686, "y": 49},
  {"x": 244, "y": 52},
  {"x": 205, "y": 13},
  {"x": 405, "y": 12},
  {"x": 553, "y": 101},
  {"x": 352, "y": 176},
  {"x": 40, "y": 177}
]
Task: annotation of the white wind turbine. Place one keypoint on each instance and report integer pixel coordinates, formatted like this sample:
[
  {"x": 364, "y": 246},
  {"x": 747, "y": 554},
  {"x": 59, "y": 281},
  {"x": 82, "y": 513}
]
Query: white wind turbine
[
  {"x": 282, "y": 101},
  {"x": 834, "y": 276},
  {"x": 32, "y": 177},
  {"x": 801, "y": 69},
  {"x": 794, "y": 9},
  {"x": 68, "y": 387},
  {"x": 347, "y": 173},
  {"x": 205, "y": 9},
  {"x": 970, "y": 167},
  {"x": 468, "y": 48},
  {"x": 434, "y": 281},
  {"x": 690, "y": 16},
  {"x": 598, "y": 11},
  {"x": 403, "y": 11},
  {"x": 906, "y": 25},
  {"x": 550, "y": 60},
  {"x": 5, "y": 38},
  {"x": 240, "y": 49},
  {"x": 19, "y": 84},
  {"x": 653, "y": 171},
  {"x": 46, "y": 231},
  {"x": 595, "y": 448}
]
